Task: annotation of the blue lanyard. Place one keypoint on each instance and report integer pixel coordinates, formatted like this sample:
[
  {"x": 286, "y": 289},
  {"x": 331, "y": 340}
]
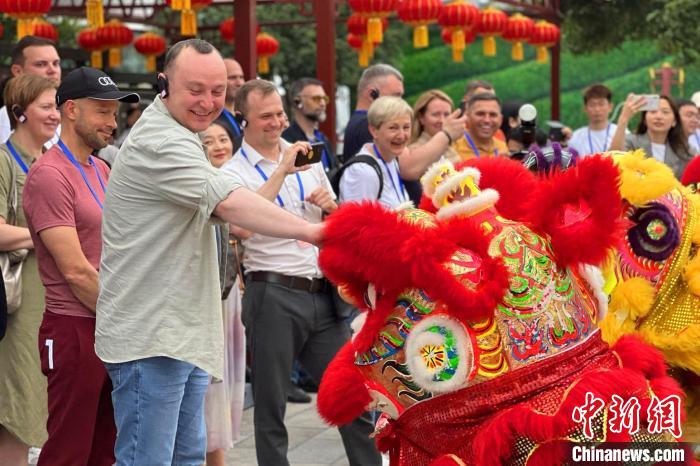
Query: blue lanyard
[
  {"x": 19, "y": 160},
  {"x": 400, "y": 195},
  {"x": 605, "y": 141},
  {"x": 265, "y": 178},
  {"x": 697, "y": 140},
  {"x": 473, "y": 146},
  {"x": 324, "y": 156},
  {"x": 78, "y": 165},
  {"x": 233, "y": 122}
]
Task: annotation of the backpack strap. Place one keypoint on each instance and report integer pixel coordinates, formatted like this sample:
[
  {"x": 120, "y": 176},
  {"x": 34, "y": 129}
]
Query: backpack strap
[{"x": 360, "y": 158}]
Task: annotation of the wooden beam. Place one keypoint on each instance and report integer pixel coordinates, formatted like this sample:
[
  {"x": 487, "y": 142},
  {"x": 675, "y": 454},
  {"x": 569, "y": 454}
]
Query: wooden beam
[
  {"x": 555, "y": 68},
  {"x": 246, "y": 25},
  {"x": 325, "y": 60}
]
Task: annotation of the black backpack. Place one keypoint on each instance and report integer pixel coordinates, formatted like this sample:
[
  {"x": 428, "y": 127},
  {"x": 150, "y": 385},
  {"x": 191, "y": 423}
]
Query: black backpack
[{"x": 337, "y": 173}]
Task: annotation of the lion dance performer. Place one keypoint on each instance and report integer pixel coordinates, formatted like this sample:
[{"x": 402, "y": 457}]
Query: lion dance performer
[
  {"x": 478, "y": 339},
  {"x": 654, "y": 274}
]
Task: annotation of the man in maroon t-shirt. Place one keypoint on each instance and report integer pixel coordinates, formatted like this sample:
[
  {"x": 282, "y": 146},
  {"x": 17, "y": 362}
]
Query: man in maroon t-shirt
[{"x": 63, "y": 199}]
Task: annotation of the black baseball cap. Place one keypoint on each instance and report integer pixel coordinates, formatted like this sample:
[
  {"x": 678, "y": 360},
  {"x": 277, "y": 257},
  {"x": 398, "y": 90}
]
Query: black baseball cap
[{"x": 93, "y": 83}]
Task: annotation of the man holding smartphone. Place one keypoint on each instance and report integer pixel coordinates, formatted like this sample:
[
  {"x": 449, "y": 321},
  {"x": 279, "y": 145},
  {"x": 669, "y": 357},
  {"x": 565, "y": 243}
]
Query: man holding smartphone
[
  {"x": 288, "y": 308},
  {"x": 308, "y": 103}
]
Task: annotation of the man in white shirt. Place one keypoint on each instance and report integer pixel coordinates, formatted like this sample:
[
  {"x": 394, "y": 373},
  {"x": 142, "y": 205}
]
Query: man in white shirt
[
  {"x": 288, "y": 307},
  {"x": 32, "y": 55},
  {"x": 596, "y": 137}
]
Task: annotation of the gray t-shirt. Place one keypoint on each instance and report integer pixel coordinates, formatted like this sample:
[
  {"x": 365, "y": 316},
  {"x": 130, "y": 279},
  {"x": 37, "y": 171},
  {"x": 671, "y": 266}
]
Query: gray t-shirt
[{"x": 159, "y": 282}]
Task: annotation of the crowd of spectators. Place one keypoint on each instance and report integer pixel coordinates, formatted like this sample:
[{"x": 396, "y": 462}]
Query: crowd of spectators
[{"x": 165, "y": 266}]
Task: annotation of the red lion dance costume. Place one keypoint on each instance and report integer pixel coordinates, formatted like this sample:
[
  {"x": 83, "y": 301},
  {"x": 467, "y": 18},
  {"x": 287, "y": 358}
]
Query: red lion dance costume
[{"x": 479, "y": 340}]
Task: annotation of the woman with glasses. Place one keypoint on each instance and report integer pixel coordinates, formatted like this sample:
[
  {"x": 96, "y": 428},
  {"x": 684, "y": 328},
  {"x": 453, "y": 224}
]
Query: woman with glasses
[
  {"x": 31, "y": 104},
  {"x": 659, "y": 132}
]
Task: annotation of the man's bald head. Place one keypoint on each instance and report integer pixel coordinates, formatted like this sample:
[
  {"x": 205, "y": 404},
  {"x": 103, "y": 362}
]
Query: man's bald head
[
  {"x": 199, "y": 46},
  {"x": 234, "y": 79}
]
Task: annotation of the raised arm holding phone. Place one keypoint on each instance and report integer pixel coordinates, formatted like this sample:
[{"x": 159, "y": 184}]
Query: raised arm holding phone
[{"x": 659, "y": 132}]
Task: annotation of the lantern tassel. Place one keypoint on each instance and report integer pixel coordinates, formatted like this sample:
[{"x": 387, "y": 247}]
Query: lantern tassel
[
  {"x": 151, "y": 63},
  {"x": 23, "y": 27},
  {"x": 518, "y": 51},
  {"x": 489, "y": 46},
  {"x": 367, "y": 48},
  {"x": 188, "y": 23},
  {"x": 458, "y": 40},
  {"x": 100, "y": 14},
  {"x": 420, "y": 37},
  {"x": 115, "y": 57},
  {"x": 542, "y": 55},
  {"x": 96, "y": 59},
  {"x": 457, "y": 55},
  {"x": 90, "y": 12},
  {"x": 176, "y": 5},
  {"x": 362, "y": 59},
  {"x": 374, "y": 30},
  {"x": 263, "y": 65}
]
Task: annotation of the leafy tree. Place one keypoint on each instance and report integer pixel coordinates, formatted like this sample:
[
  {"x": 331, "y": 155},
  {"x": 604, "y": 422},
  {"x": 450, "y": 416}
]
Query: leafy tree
[{"x": 600, "y": 25}]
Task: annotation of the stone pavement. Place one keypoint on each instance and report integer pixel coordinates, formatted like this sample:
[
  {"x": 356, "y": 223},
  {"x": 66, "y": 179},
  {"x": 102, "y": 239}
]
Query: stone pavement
[{"x": 311, "y": 442}]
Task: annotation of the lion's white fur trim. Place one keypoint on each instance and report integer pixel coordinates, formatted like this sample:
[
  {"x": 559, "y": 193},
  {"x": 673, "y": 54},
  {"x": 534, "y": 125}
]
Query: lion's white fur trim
[
  {"x": 486, "y": 198},
  {"x": 420, "y": 336},
  {"x": 594, "y": 277}
]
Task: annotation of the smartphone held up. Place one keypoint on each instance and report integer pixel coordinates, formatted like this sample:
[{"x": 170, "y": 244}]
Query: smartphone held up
[{"x": 313, "y": 156}]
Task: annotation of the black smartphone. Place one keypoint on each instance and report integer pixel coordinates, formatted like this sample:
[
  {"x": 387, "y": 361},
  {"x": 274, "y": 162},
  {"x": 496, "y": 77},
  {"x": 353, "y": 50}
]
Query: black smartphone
[
  {"x": 314, "y": 155},
  {"x": 462, "y": 108}
]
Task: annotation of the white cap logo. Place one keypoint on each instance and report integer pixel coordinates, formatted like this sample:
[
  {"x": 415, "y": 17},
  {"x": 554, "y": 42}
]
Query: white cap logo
[{"x": 105, "y": 81}]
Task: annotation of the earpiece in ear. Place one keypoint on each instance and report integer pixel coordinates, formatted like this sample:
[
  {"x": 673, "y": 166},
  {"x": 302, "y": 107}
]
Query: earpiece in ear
[
  {"x": 240, "y": 119},
  {"x": 374, "y": 94},
  {"x": 19, "y": 113},
  {"x": 300, "y": 104},
  {"x": 162, "y": 83}
]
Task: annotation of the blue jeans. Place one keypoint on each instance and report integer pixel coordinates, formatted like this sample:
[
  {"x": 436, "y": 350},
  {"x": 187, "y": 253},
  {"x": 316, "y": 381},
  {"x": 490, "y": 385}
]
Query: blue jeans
[{"x": 159, "y": 412}]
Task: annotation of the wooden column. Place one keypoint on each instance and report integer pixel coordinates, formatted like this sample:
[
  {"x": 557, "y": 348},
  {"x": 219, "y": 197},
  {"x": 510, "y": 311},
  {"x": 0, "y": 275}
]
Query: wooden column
[
  {"x": 555, "y": 77},
  {"x": 246, "y": 25},
  {"x": 324, "y": 11}
]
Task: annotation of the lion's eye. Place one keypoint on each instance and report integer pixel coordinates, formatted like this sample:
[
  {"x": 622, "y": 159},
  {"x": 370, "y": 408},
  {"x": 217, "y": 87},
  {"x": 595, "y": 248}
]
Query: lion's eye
[
  {"x": 371, "y": 296},
  {"x": 655, "y": 234}
]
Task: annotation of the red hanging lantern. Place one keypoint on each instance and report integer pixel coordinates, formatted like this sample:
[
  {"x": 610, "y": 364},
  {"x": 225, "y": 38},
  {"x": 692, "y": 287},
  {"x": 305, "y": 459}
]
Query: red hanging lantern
[
  {"x": 2, "y": 30},
  {"x": 41, "y": 28},
  {"x": 151, "y": 45},
  {"x": 544, "y": 36},
  {"x": 459, "y": 18},
  {"x": 24, "y": 11},
  {"x": 492, "y": 23},
  {"x": 375, "y": 11},
  {"x": 419, "y": 14},
  {"x": 88, "y": 39},
  {"x": 113, "y": 36},
  {"x": 457, "y": 54},
  {"x": 518, "y": 30},
  {"x": 357, "y": 25},
  {"x": 357, "y": 42},
  {"x": 227, "y": 30},
  {"x": 265, "y": 46},
  {"x": 188, "y": 14}
]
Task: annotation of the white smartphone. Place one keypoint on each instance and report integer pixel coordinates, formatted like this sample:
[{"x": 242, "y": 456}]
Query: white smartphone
[{"x": 652, "y": 102}]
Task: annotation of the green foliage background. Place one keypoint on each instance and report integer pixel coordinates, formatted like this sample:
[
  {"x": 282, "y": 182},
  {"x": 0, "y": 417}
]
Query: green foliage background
[{"x": 611, "y": 41}]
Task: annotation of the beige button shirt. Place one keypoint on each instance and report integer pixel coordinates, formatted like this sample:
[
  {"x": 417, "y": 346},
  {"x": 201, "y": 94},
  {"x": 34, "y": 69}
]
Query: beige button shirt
[
  {"x": 264, "y": 253},
  {"x": 159, "y": 278}
]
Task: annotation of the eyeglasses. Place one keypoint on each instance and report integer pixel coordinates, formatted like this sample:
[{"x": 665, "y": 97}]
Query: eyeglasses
[{"x": 317, "y": 98}]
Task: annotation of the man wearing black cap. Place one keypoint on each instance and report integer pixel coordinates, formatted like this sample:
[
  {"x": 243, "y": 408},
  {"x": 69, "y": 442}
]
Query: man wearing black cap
[{"x": 63, "y": 200}]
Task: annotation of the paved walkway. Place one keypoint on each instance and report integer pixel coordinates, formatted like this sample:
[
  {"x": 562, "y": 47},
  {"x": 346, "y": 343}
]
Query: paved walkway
[{"x": 311, "y": 442}]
